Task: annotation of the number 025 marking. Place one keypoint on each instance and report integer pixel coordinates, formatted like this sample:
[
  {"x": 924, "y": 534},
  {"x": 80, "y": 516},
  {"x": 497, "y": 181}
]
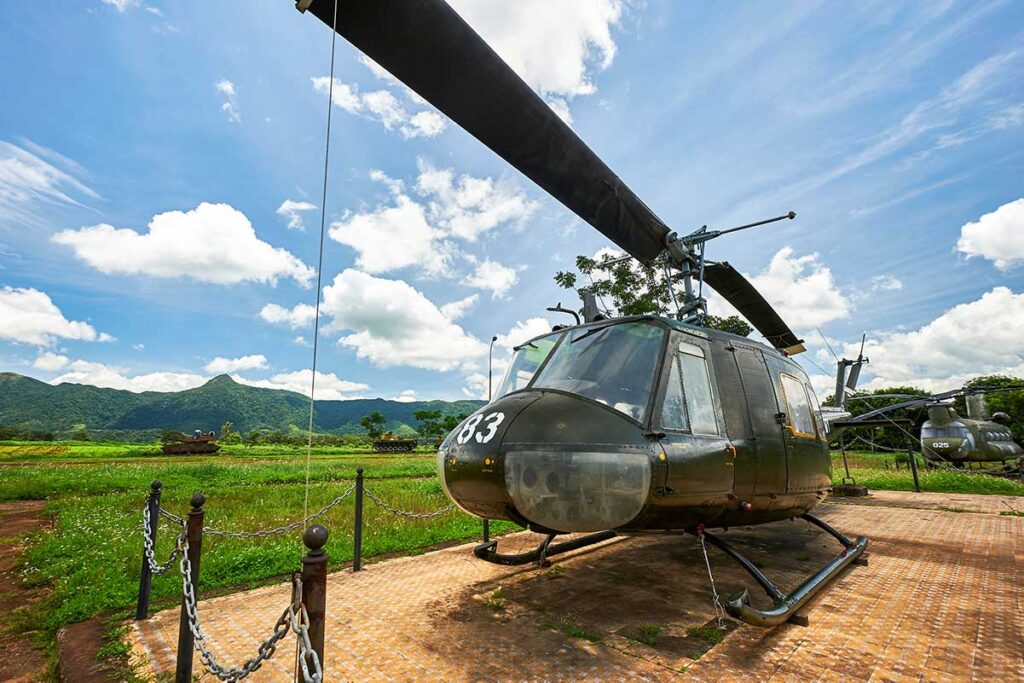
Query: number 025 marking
[{"x": 490, "y": 423}]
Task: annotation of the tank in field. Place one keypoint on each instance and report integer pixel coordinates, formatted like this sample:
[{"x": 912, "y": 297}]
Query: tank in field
[
  {"x": 196, "y": 444},
  {"x": 389, "y": 443}
]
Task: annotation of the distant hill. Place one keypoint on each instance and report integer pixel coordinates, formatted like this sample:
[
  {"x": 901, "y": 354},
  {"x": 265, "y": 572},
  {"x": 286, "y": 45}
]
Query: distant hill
[{"x": 34, "y": 405}]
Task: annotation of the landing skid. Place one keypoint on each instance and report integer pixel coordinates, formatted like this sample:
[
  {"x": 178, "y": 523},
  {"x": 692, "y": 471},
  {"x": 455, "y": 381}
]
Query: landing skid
[
  {"x": 489, "y": 551},
  {"x": 786, "y": 607}
]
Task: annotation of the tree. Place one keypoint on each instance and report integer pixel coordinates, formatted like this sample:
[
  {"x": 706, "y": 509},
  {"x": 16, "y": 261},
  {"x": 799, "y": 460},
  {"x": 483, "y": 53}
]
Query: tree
[
  {"x": 891, "y": 435},
  {"x": 430, "y": 422},
  {"x": 636, "y": 289},
  {"x": 373, "y": 424},
  {"x": 253, "y": 438},
  {"x": 80, "y": 435},
  {"x": 8, "y": 433},
  {"x": 450, "y": 422},
  {"x": 170, "y": 436},
  {"x": 226, "y": 430},
  {"x": 1010, "y": 402}
]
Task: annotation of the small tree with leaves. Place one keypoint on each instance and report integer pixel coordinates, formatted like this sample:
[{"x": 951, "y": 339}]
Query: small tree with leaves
[
  {"x": 635, "y": 289},
  {"x": 450, "y": 422},
  {"x": 373, "y": 424},
  {"x": 430, "y": 422}
]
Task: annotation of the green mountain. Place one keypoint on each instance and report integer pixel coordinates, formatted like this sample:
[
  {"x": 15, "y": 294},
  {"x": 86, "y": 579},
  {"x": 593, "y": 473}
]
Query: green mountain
[{"x": 34, "y": 405}]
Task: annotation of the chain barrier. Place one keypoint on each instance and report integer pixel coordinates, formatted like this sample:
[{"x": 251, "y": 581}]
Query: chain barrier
[
  {"x": 281, "y": 529},
  {"x": 170, "y": 516},
  {"x": 150, "y": 551},
  {"x": 293, "y": 619},
  {"x": 717, "y": 601},
  {"x": 403, "y": 513},
  {"x": 878, "y": 446}
]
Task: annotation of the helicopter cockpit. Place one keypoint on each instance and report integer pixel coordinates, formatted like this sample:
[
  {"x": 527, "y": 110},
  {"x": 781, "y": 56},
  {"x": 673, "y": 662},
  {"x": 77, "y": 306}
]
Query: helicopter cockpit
[{"x": 614, "y": 364}]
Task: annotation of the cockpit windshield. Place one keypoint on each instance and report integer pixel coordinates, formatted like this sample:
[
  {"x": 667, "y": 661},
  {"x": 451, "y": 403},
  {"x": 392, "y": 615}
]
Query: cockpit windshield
[
  {"x": 614, "y": 365},
  {"x": 525, "y": 363}
]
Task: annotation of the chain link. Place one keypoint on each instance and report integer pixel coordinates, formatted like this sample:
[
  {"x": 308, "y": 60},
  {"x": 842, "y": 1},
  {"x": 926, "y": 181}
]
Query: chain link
[
  {"x": 281, "y": 529},
  {"x": 150, "y": 551},
  {"x": 403, "y": 513},
  {"x": 293, "y": 618}
]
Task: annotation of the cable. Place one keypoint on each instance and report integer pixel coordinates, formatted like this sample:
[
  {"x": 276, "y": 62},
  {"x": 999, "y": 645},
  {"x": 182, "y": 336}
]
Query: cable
[{"x": 320, "y": 260}]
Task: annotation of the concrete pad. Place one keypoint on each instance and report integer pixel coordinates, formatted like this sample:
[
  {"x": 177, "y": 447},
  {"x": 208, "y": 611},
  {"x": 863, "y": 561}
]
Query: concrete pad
[{"x": 940, "y": 600}]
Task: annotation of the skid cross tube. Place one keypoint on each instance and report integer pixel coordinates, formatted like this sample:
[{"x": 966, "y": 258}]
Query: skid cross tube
[
  {"x": 785, "y": 607},
  {"x": 489, "y": 551}
]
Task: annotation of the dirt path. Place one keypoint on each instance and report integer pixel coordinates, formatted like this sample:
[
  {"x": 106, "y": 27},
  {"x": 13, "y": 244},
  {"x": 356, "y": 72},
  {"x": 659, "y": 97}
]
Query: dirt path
[{"x": 23, "y": 662}]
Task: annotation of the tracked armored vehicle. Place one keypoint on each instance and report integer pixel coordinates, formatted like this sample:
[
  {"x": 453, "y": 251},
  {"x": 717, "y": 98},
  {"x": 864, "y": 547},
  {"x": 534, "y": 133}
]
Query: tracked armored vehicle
[{"x": 389, "y": 443}]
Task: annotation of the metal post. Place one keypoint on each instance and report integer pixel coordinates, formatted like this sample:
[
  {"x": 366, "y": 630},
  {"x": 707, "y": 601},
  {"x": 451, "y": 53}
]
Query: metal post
[
  {"x": 487, "y": 531},
  {"x": 146, "y": 579},
  {"x": 314, "y": 590},
  {"x": 490, "y": 355},
  {"x": 357, "y": 536},
  {"x": 913, "y": 464},
  {"x": 194, "y": 530}
]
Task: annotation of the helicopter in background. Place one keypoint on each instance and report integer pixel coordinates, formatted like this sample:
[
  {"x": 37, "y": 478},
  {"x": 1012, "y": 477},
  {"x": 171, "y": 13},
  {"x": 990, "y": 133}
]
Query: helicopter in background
[{"x": 631, "y": 425}]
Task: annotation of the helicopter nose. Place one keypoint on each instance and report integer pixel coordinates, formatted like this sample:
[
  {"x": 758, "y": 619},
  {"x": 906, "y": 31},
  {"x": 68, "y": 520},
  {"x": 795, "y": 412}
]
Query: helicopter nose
[{"x": 556, "y": 462}]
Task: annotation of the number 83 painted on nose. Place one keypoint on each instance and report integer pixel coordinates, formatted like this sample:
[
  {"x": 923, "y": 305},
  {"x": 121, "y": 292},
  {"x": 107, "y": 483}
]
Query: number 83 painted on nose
[{"x": 491, "y": 422}]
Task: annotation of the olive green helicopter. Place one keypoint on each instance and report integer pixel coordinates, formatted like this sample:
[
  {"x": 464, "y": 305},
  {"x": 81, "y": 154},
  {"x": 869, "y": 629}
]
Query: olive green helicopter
[{"x": 615, "y": 426}]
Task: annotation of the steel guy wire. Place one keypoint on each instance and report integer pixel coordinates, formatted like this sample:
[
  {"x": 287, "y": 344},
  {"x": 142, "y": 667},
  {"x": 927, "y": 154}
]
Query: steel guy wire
[{"x": 719, "y": 610}]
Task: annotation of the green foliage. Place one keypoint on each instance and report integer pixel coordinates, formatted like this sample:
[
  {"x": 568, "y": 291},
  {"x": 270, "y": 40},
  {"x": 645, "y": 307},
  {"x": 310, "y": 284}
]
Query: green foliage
[
  {"x": 170, "y": 436},
  {"x": 450, "y": 422},
  {"x": 648, "y": 634},
  {"x": 869, "y": 470},
  {"x": 373, "y": 424},
  {"x": 890, "y": 436},
  {"x": 430, "y": 422},
  {"x": 708, "y": 634},
  {"x": 80, "y": 435}
]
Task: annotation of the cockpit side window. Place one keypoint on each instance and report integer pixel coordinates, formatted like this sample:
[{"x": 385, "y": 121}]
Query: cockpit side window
[
  {"x": 525, "y": 363},
  {"x": 689, "y": 402},
  {"x": 673, "y": 408},
  {"x": 801, "y": 421}
]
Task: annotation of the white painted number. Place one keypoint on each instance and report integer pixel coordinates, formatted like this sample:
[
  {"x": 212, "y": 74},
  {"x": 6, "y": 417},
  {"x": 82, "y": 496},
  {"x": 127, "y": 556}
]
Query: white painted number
[{"x": 468, "y": 430}]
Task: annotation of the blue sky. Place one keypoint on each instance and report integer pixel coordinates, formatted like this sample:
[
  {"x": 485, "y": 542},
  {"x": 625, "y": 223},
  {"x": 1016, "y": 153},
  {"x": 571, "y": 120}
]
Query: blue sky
[{"x": 153, "y": 155}]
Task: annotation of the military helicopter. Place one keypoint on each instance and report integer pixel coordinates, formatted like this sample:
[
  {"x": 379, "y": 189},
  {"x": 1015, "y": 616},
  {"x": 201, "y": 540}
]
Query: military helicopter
[
  {"x": 643, "y": 424},
  {"x": 948, "y": 437}
]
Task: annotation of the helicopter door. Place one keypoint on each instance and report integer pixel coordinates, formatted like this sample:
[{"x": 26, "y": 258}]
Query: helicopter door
[
  {"x": 699, "y": 461},
  {"x": 766, "y": 429},
  {"x": 808, "y": 457}
]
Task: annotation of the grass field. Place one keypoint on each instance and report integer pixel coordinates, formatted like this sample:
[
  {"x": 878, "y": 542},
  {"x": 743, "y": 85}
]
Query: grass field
[{"x": 95, "y": 491}]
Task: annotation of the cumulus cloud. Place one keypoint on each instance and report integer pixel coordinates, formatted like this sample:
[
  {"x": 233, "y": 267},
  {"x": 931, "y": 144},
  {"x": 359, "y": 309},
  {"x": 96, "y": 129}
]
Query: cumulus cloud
[
  {"x": 492, "y": 276},
  {"x": 382, "y": 106},
  {"x": 114, "y": 377},
  {"x": 457, "y": 309},
  {"x": 299, "y": 316},
  {"x": 329, "y": 387},
  {"x": 229, "y": 104},
  {"x": 292, "y": 212},
  {"x": 886, "y": 283},
  {"x": 50, "y": 362},
  {"x": 211, "y": 243},
  {"x": 524, "y": 330},
  {"x": 29, "y": 316},
  {"x": 997, "y": 236},
  {"x": 554, "y": 45},
  {"x": 981, "y": 337},
  {"x": 121, "y": 5},
  {"x": 220, "y": 365},
  {"x": 405, "y": 396},
  {"x": 800, "y": 288},
  {"x": 389, "y": 323},
  {"x": 32, "y": 176}
]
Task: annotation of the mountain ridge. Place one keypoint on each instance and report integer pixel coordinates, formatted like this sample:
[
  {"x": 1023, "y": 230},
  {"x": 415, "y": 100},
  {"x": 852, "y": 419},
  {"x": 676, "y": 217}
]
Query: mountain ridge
[{"x": 32, "y": 404}]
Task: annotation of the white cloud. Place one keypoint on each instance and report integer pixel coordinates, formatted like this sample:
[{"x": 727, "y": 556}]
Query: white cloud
[
  {"x": 382, "y": 106},
  {"x": 329, "y": 387},
  {"x": 886, "y": 283},
  {"x": 292, "y": 211},
  {"x": 211, "y": 243},
  {"x": 554, "y": 45},
  {"x": 406, "y": 396},
  {"x": 982, "y": 337},
  {"x": 299, "y": 316},
  {"x": 220, "y": 365},
  {"x": 139, "y": 347},
  {"x": 391, "y": 323},
  {"x": 29, "y": 316},
  {"x": 28, "y": 180},
  {"x": 229, "y": 106},
  {"x": 457, "y": 309},
  {"x": 114, "y": 377},
  {"x": 800, "y": 288},
  {"x": 301, "y": 341},
  {"x": 50, "y": 362},
  {"x": 561, "y": 109},
  {"x": 152, "y": 10},
  {"x": 997, "y": 236},
  {"x": 494, "y": 277},
  {"x": 121, "y": 5},
  {"x": 522, "y": 331}
]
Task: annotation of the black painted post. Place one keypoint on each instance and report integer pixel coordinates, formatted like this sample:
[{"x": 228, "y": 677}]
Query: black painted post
[
  {"x": 913, "y": 464},
  {"x": 314, "y": 591},
  {"x": 487, "y": 530},
  {"x": 357, "y": 536},
  {"x": 146, "y": 580},
  {"x": 194, "y": 530}
]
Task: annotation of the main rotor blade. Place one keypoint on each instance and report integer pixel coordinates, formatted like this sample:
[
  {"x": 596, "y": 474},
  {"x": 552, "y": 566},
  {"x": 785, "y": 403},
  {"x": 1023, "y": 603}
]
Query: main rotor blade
[
  {"x": 429, "y": 47},
  {"x": 735, "y": 289}
]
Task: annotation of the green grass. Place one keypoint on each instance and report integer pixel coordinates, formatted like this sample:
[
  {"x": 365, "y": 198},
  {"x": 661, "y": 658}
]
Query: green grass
[
  {"x": 648, "y": 634},
  {"x": 708, "y": 634},
  {"x": 571, "y": 629},
  {"x": 869, "y": 470}
]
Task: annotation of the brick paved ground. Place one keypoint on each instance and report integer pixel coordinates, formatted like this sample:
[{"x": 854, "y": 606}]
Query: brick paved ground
[{"x": 940, "y": 600}]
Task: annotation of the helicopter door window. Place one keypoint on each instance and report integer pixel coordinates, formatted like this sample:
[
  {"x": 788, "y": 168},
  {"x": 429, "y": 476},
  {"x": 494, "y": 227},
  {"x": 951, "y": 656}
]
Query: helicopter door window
[
  {"x": 700, "y": 405},
  {"x": 673, "y": 411},
  {"x": 801, "y": 420}
]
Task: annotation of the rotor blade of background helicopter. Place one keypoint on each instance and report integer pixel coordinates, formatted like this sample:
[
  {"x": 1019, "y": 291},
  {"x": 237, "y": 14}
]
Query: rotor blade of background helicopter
[
  {"x": 735, "y": 289},
  {"x": 429, "y": 47}
]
